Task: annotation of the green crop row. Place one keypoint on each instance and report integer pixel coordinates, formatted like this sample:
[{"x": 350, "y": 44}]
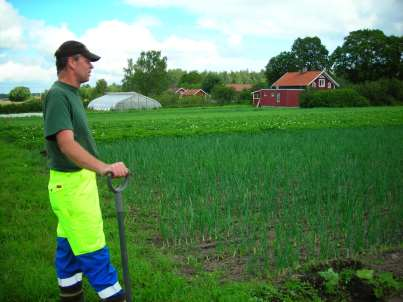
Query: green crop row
[{"x": 279, "y": 199}]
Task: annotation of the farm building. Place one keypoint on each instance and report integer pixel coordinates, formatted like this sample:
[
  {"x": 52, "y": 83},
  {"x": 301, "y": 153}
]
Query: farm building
[
  {"x": 123, "y": 101},
  {"x": 191, "y": 92},
  {"x": 286, "y": 90}
]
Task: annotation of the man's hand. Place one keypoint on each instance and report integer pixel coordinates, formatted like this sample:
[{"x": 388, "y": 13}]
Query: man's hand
[
  {"x": 118, "y": 169},
  {"x": 77, "y": 154}
]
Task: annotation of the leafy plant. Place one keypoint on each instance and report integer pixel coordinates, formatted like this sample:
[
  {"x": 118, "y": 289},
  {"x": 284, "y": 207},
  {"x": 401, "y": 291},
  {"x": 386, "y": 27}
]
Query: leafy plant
[
  {"x": 365, "y": 274},
  {"x": 331, "y": 280}
]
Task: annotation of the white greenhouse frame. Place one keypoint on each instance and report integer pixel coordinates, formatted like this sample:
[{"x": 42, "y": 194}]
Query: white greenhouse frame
[{"x": 122, "y": 101}]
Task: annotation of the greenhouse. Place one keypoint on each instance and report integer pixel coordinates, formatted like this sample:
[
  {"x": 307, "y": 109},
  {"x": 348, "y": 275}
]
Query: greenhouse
[{"x": 123, "y": 101}]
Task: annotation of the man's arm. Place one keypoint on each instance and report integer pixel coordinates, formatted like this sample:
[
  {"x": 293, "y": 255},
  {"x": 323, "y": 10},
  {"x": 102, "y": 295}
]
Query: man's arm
[{"x": 82, "y": 158}]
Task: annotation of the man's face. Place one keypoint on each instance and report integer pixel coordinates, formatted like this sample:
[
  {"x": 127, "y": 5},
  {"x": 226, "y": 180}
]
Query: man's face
[{"x": 82, "y": 67}]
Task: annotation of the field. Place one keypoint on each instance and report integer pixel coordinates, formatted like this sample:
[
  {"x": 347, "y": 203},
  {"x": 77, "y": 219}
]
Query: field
[{"x": 223, "y": 201}]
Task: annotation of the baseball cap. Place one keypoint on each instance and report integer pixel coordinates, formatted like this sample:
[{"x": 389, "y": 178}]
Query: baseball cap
[{"x": 71, "y": 48}]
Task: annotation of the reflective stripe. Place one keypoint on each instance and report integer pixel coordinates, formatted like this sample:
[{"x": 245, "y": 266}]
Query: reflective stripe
[
  {"x": 110, "y": 291},
  {"x": 71, "y": 280}
]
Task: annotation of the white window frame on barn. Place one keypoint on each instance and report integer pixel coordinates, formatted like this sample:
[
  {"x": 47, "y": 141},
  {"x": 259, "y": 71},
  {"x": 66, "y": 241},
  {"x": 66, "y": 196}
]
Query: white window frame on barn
[
  {"x": 329, "y": 85},
  {"x": 278, "y": 98},
  {"x": 256, "y": 96},
  {"x": 322, "y": 83}
]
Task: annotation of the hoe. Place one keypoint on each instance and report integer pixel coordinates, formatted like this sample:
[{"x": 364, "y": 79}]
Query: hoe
[{"x": 120, "y": 215}]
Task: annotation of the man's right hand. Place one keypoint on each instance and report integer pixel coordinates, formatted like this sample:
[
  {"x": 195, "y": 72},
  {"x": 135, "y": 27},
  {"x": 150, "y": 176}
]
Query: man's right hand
[{"x": 118, "y": 169}]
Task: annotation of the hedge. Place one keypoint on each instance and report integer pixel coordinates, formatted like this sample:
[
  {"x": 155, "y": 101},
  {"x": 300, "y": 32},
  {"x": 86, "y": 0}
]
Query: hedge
[
  {"x": 382, "y": 92},
  {"x": 32, "y": 105},
  {"x": 344, "y": 97}
]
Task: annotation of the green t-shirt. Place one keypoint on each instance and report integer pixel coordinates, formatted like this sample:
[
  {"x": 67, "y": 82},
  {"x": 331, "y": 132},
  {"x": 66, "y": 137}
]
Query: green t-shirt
[{"x": 63, "y": 109}]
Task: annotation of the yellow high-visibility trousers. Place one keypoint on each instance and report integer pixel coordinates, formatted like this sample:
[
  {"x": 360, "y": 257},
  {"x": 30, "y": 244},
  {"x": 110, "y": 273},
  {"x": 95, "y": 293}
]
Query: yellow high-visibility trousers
[{"x": 75, "y": 201}]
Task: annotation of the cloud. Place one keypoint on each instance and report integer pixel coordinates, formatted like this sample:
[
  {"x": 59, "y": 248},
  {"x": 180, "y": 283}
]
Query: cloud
[
  {"x": 17, "y": 72},
  {"x": 116, "y": 41},
  {"x": 238, "y": 18},
  {"x": 10, "y": 27},
  {"x": 46, "y": 39}
]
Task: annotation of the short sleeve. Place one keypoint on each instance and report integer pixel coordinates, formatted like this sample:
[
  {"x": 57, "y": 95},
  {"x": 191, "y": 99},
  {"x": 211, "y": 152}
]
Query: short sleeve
[{"x": 57, "y": 114}]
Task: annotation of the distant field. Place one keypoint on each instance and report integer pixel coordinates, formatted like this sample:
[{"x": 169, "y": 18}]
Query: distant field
[
  {"x": 5, "y": 102},
  {"x": 111, "y": 126}
]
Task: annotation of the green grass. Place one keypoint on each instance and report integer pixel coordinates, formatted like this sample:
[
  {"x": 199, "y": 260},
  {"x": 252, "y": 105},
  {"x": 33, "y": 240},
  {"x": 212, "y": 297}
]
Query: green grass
[{"x": 191, "y": 166}]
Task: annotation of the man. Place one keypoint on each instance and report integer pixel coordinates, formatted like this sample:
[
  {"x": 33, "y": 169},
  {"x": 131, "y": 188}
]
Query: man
[{"x": 73, "y": 193}]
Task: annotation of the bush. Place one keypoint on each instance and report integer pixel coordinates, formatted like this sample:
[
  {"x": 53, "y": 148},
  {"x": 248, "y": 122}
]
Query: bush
[
  {"x": 32, "y": 105},
  {"x": 19, "y": 94},
  {"x": 345, "y": 97},
  {"x": 245, "y": 96},
  {"x": 171, "y": 99},
  {"x": 382, "y": 92},
  {"x": 223, "y": 95}
]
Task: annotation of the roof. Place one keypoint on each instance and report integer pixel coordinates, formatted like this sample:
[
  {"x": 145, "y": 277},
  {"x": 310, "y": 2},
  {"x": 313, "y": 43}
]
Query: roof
[
  {"x": 239, "y": 87},
  {"x": 188, "y": 92},
  {"x": 301, "y": 78}
]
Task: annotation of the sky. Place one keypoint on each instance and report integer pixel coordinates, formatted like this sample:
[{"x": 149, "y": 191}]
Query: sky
[{"x": 226, "y": 35}]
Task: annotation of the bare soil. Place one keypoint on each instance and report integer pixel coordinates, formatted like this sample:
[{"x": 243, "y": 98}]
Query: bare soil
[{"x": 390, "y": 261}]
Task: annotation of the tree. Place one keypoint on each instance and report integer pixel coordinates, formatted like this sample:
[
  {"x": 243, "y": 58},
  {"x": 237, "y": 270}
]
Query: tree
[
  {"x": 19, "y": 94},
  {"x": 174, "y": 76},
  {"x": 86, "y": 92},
  {"x": 210, "y": 80},
  {"x": 279, "y": 65},
  {"x": 368, "y": 55},
  {"x": 191, "y": 79},
  {"x": 310, "y": 54},
  {"x": 128, "y": 77},
  {"x": 148, "y": 76},
  {"x": 100, "y": 87},
  {"x": 114, "y": 88},
  {"x": 223, "y": 94}
]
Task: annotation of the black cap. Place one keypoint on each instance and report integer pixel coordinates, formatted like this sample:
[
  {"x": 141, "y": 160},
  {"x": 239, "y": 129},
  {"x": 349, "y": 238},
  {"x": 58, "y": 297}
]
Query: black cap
[{"x": 71, "y": 48}]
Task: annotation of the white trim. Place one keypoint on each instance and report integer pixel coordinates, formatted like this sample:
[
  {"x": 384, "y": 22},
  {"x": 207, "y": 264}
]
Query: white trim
[
  {"x": 327, "y": 75},
  {"x": 322, "y": 83},
  {"x": 65, "y": 282},
  {"x": 278, "y": 96},
  {"x": 331, "y": 78},
  {"x": 110, "y": 291},
  {"x": 201, "y": 91}
]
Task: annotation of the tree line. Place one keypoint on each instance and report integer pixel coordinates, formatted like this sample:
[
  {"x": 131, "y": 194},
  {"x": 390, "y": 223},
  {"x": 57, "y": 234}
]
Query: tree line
[{"x": 365, "y": 55}]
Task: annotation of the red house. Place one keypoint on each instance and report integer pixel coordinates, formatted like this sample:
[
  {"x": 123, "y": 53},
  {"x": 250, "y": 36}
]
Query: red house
[
  {"x": 286, "y": 90},
  {"x": 191, "y": 92}
]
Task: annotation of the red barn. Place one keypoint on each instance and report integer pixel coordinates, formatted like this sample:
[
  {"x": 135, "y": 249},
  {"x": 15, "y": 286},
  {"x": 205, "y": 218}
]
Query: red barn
[{"x": 286, "y": 90}]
